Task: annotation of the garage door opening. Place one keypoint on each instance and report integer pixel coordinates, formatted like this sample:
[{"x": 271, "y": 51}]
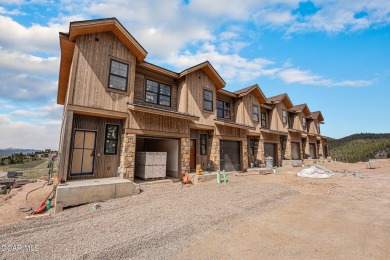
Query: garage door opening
[
  {"x": 270, "y": 151},
  {"x": 151, "y": 144},
  {"x": 295, "y": 151},
  {"x": 230, "y": 156}
]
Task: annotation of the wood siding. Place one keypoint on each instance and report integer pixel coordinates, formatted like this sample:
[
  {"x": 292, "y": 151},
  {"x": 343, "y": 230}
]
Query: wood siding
[
  {"x": 196, "y": 82},
  {"x": 158, "y": 124},
  {"x": 141, "y": 75},
  {"x": 105, "y": 165},
  {"x": 93, "y": 67}
]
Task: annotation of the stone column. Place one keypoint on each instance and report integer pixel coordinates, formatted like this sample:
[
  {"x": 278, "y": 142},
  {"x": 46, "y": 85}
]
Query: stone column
[
  {"x": 244, "y": 152},
  {"x": 279, "y": 158},
  {"x": 259, "y": 151},
  {"x": 306, "y": 149},
  {"x": 320, "y": 150},
  {"x": 185, "y": 156},
  {"x": 127, "y": 157},
  {"x": 214, "y": 153},
  {"x": 287, "y": 151}
]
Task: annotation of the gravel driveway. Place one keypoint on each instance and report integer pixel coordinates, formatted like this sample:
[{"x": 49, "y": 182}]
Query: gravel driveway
[{"x": 155, "y": 224}]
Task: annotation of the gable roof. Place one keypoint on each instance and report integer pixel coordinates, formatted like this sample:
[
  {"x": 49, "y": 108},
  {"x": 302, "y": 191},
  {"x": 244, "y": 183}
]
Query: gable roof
[
  {"x": 302, "y": 108},
  {"x": 279, "y": 98},
  {"x": 318, "y": 115},
  {"x": 209, "y": 71},
  {"x": 67, "y": 42},
  {"x": 255, "y": 89}
]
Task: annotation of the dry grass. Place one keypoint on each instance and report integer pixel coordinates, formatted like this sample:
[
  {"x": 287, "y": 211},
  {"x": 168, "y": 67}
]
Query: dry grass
[{"x": 31, "y": 170}]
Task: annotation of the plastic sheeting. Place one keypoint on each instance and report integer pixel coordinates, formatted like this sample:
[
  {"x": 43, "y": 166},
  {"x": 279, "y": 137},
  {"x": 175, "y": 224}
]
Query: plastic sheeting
[{"x": 316, "y": 172}]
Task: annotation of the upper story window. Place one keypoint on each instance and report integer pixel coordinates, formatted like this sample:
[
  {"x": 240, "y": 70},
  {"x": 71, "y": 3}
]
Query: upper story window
[
  {"x": 290, "y": 120},
  {"x": 255, "y": 113},
  {"x": 223, "y": 109},
  {"x": 318, "y": 128},
  {"x": 263, "y": 119},
  {"x": 304, "y": 122},
  {"x": 158, "y": 93},
  {"x": 284, "y": 117},
  {"x": 118, "y": 75},
  {"x": 207, "y": 100}
]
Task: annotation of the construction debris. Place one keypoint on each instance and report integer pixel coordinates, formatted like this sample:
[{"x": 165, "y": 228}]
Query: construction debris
[
  {"x": 371, "y": 164},
  {"x": 316, "y": 172}
]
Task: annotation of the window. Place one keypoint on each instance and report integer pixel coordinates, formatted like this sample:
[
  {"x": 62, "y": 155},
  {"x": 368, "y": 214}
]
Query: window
[
  {"x": 263, "y": 119},
  {"x": 207, "y": 100},
  {"x": 318, "y": 128},
  {"x": 284, "y": 116},
  {"x": 255, "y": 113},
  {"x": 252, "y": 146},
  {"x": 203, "y": 144},
  {"x": 118, "y": 75},
  {"x": 304, "y": 122},
  {"x": 223, "y": 109},
  {"x": 111, "y": 140},
  {"x": 158, "y": 93}
]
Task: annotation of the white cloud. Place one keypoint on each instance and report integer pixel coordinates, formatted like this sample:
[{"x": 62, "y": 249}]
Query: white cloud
[
  {"x": 230, "y": 66},
  {"x": 26, "y": 87},
  {"x": 11, "y": 12},
  {"x": 4, "y": 120},
  {"x": 25, "y": 135},
  {"x": 36, "y": 38},
  {"x": 306, "y": 77},
  {"x": 25, "y": 63}
]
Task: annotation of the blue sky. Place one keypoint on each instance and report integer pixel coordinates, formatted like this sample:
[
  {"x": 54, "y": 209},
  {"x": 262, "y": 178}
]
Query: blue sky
[{"x": 333, "y": 55}]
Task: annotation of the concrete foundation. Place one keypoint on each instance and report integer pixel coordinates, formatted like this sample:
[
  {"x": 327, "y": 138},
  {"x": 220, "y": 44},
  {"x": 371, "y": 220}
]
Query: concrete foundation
[{"x": 87, "y": 191}]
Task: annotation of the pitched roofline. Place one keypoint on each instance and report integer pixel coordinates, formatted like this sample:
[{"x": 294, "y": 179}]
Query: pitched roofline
[
  {"x": 318, "y": 116},
  {"x": 210, "y": 72},
  {"x": 261, "y": 97},
  {"x": 305, "y": 109},
  {"x": 286, "y": 100}
]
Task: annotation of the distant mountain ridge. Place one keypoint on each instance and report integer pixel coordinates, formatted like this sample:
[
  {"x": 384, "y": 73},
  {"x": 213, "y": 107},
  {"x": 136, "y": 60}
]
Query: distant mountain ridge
[
  {"x": 360, "y": 147},
  {"x": 10, "y": 150}
]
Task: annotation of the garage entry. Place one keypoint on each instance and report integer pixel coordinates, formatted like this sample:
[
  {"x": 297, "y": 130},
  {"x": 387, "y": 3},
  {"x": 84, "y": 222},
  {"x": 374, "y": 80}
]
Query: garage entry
[
  {"x": 270, "y": 150},
  {"x": 155, "y": 144},
  {"x": 312, "y": 148},
  {"x": 230, "y": 155},
  {"x": 295, "y": 151}
]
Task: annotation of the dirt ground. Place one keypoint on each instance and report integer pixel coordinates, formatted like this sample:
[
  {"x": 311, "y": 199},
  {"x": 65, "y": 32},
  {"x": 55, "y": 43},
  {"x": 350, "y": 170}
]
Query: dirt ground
[
  {"x": 336, "y": 218},
  {"x": 16, "y": 199},
  {"x": 252, "y": 217}
]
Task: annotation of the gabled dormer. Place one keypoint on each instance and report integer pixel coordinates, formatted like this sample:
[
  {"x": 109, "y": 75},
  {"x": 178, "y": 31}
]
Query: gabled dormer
[
  {"x": 281, "y": 113},
  {"x": 301, "y": 112},
  {"x": 315, "y": 119}
]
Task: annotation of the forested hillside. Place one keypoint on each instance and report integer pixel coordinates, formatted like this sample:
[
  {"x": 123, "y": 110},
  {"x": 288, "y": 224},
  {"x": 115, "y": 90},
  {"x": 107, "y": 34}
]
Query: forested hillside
[{"x": 360, "y": 147}]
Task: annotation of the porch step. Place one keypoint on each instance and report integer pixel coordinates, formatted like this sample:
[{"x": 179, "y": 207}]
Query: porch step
[
  {"x": 256, "y": 171},
  {"x": 75, "y": 193}
]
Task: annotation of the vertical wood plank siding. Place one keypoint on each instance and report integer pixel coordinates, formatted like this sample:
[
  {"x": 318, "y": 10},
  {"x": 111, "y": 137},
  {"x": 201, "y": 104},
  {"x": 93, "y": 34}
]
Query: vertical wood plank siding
[
  {"x": 105, "y": 165},
  {"x": 93, "y": 72}
]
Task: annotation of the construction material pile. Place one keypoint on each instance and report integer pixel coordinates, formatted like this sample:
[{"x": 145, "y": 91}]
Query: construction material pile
[{"x": 316, "y": 172}]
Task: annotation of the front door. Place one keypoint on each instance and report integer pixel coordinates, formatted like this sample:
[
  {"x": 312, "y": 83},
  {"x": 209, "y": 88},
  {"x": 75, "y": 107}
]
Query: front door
[
  {"x": 83, "y": 156},
  {"x": 192, "y": 154}
]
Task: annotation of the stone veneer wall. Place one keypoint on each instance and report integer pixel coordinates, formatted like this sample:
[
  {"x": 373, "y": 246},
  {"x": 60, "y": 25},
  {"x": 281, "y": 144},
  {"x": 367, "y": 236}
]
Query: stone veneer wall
[
  {"x": 279, "y": 151},
  {"x": 127, "y": 157},
  {"x": 287, "y": 152},
  {"x": 214, "y": 153},
  {"x": 259, "y": 151},
  {"x": 184, "y": 156},
  {"x": 244, "y": 152},
  {"x": 306, "y": 150},
  {"x": 320, "y": 150}
]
